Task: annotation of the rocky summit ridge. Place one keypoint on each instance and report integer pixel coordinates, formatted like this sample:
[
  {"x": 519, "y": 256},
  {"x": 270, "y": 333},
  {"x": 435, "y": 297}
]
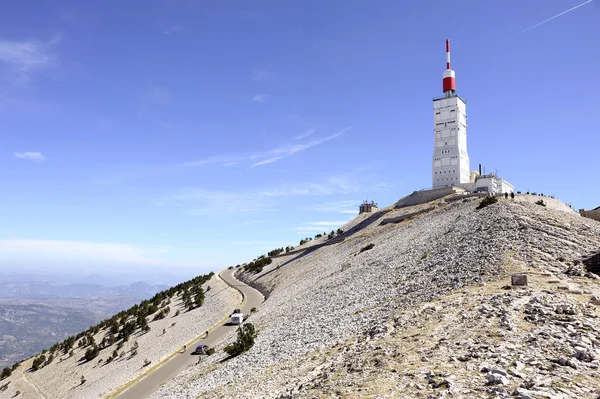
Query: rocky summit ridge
[{"x": 427, "y": 312}]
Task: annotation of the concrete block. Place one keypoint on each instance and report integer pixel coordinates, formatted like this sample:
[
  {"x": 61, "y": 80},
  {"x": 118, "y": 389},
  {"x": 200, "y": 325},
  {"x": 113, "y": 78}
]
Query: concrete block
[{"x": 518, "y": 279}]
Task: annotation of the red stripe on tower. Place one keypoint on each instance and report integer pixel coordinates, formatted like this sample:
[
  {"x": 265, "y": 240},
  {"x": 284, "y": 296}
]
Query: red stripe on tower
[{"x": 448, "y": 81}]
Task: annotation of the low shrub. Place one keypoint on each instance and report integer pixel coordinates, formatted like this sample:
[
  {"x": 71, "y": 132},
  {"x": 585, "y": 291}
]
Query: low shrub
[
  {"x": 540, "y": 202},
  {"x": 257, "y": 265},
  {"x": 210, "y": 351},
  {"x": 38, "y": 362},
  {"x": 6, "y": 372},
  {"x": 367, "y": 247},
  {"x": 245, "y": 340},
  {"x": 489, "y": 200},
  {"x": 91, "y": 353}
]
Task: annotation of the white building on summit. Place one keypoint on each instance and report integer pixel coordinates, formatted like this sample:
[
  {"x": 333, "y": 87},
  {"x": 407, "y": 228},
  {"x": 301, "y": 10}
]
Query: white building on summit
[
  {"x": 450, "y": 161},
  {"x": 450, "y": 158}
]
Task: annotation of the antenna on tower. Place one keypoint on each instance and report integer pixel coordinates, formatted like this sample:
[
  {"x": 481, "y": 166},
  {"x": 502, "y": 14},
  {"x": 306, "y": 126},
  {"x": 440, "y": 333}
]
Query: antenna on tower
[{"x": 448, "y": 77}]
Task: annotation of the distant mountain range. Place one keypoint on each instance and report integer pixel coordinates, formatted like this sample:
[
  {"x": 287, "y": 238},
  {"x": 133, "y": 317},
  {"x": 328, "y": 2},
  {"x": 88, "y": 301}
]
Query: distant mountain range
[
  {"x": 37, "y": 314},
  {"x": 49, "y": 289},
  {"x": 28, "y": 328}
]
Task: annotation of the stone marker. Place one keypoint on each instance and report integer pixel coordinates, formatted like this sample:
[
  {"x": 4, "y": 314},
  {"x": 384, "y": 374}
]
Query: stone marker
[{"x": 518, "y": 279}]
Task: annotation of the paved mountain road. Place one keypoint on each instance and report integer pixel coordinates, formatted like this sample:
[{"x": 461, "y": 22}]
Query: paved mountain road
[{"x": 172, "y": 367}]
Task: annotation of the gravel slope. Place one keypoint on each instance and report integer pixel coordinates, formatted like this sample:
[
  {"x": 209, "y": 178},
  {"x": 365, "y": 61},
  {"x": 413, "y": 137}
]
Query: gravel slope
[{"x": 327, "y": 295}]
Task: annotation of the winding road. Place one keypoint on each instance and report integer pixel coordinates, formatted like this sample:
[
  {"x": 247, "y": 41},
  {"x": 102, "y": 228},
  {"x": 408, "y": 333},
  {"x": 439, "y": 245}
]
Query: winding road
[{"x": 172, "y": 367}]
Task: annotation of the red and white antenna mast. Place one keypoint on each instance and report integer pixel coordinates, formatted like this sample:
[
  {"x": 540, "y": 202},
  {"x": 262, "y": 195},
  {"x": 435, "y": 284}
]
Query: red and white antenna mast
[{"x": 449, "y": 80}]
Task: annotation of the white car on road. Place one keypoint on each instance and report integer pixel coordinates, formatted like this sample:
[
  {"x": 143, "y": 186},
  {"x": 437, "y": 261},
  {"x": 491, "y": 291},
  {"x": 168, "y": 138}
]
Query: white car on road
[{"x": 237, "y": 317}]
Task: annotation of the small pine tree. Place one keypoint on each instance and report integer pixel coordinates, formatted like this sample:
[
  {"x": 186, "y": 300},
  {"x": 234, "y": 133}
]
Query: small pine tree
[
  {"x": 245, "y": 340},
  {"x": 49, "y": 360},
  {"x": 6, "y": 372},
  {"x": 38, "y": 362},
  {"x": 91, "y": 353}
]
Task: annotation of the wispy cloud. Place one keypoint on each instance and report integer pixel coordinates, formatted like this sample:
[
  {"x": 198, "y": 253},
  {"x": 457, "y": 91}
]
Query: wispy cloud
[
  {"x": 259, "y": 98},
  {"x": 152, "y": 96},
  {"x": 207, "y": 202},
  {"x": 267, "y": 161},
  {"x": 307, "y": 133},
  {"x": 33, "y": 156},
  {"x": 172, "y": 29},
  {"x": 284, "y": 152},
  {"x": 157, "y": 95},
  {"x": 96, "y": 252},
  {"x": 26, "y": 58},
  {"x": 237, "y": 14},
  {"x": 319, "y": 227},
  {"x": 258, "y": 75},
  {"x": 348, "y": 207},
  {"x": 252, "y": 243},
  {"x": 554, "y": 17},
  {"x": 264, "y": 157},
  {"x": 246, "y": 223},
  {"x": 121, "y": 173}
]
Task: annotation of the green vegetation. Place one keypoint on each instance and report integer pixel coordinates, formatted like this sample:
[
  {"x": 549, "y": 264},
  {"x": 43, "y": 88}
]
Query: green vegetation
[
  {"x": 50, "y": 359},
  {"x": 91, "y": 353},
  {"x": 367, "y": 247},
  {"x": 122, "y": 325},
  {"x": 540, "y": 202},
  {"x": 245, "y": 340},
  {"x": 305, "y": 240},
  {"x": 210, "y": 351},
  {"x": 164, "y": 312},
  {"x": 256, "y": 266},
  {"x": 6, "y": 372},
  {"x": 38, "y": 362},
  {"x": 275, "y": 252},
  {"x": 489, "y": 200}
]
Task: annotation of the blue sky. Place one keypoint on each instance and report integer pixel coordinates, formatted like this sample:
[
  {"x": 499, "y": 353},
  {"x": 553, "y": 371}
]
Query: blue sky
[{"x": 187, "y": 135}]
